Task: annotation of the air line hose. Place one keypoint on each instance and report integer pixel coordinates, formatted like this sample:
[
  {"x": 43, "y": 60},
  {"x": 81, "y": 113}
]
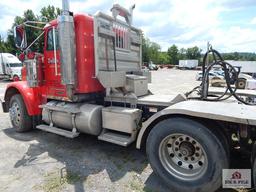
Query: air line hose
[{"x": 230, "y": 75}]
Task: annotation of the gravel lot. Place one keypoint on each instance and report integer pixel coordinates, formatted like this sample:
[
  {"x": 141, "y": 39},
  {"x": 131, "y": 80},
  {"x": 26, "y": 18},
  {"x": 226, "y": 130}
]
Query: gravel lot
[{"x": 40, "y": 161}]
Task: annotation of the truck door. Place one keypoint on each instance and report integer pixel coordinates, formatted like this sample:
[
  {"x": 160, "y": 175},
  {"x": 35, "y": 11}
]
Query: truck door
[{"x": 54, "y": 88}]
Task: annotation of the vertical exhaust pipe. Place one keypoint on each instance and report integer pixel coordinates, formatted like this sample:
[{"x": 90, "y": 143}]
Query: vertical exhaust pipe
[
  {"x": 67, "y": 49},
  {"x": 65, "y": 7}
]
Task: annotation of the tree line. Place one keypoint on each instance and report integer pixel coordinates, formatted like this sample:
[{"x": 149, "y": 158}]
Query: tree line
[{"x": 151, "y": 51}]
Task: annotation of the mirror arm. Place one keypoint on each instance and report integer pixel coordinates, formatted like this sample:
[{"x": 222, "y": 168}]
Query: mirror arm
[
  {"x": 34, "y": 41},
  {"x": 29, "y": 24}
]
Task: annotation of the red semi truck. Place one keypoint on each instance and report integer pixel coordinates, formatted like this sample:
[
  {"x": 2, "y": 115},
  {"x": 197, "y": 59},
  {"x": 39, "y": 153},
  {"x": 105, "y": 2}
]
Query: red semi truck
[{"x": 89, "y": 80}]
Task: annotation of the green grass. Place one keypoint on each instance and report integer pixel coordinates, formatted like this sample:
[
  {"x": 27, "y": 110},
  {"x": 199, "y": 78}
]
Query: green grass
[{"x": 53, "y": 182}]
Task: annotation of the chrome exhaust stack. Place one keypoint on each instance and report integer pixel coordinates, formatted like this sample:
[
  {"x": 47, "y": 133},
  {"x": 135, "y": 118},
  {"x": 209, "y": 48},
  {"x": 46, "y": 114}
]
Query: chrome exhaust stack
[
  {"x": 65, "y": 6},
  {"x": 67, "y": 49}
]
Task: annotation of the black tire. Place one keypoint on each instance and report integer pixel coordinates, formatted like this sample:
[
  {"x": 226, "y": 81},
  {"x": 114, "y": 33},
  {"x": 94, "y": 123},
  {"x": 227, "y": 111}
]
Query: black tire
[
  {"x": 241, "y": 84},
  {"x": 217, "y": 158},
  {"x": 20, "y": 119}
]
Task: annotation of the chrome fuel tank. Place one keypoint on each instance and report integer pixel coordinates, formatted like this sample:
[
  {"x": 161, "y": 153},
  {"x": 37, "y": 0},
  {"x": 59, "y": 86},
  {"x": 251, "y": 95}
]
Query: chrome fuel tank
[{"x": 87, "y": 118}]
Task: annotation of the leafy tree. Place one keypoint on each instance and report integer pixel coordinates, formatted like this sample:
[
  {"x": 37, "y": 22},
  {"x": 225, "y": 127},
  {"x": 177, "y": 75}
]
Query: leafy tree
[
  {"x": 154, "y": 52},
  {"x": 163, "y": 58},
  {"x": 236, "y": 56},
  {"x": 182, "y": 54},
  {"x": 46, "y": 14},
  {"x": 49, "y": 13},
  {"x": 228, "y": 56},
  {"x": 193, "y": 53},
  {"x": 239, "y": 56},
  {"x": 150, "y": 51},
  {"x": 3, "y": 46},
  {"x": 145, "y": 49},
  {"x": 173, "y": 54}
]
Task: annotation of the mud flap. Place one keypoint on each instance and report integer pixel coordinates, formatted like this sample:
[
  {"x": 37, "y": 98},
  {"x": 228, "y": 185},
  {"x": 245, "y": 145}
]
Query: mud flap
[{"x": 4, "y": 106}]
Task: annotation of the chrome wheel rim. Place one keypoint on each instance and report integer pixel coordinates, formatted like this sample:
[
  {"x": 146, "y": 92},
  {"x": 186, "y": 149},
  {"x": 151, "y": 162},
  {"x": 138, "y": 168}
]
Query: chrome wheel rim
[
  {"x": 15, "y": 113},
  {"x": 183, "y": 156}
]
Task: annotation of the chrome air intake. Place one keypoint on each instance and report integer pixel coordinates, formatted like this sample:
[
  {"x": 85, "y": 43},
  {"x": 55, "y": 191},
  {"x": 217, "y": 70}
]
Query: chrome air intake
[{"x": 67, "y": 48}]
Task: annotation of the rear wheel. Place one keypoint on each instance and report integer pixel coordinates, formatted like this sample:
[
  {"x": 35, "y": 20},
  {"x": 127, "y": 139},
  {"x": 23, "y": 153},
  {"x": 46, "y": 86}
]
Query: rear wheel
[
  {"x": 186, "y": 155},
  {"x": 241, "y": 83},
  {"x": 20, "y": 119}
]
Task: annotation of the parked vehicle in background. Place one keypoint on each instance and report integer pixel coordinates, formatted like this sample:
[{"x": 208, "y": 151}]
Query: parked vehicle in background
[
  {"x": 10, "y": 67},
  {"x": 188, "y": 64},
  {"x": 212, "y": 74},
  {"x": 152, "y": 66},
  {"x": 242, "y": 78},
  {"x": 220, "y": 82}
]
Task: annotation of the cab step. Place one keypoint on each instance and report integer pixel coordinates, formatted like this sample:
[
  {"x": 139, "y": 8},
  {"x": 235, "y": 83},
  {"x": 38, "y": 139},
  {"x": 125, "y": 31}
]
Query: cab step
[
  {"x": 58, "y": 131},
  {"x": 116, "y": 138}
]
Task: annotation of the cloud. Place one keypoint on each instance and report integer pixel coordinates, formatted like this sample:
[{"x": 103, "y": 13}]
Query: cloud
[
  {"x": 185, "y": 23},
  {"x": 237, "y": 4},
  {"x": 188, "y": 23},
  {"x": 235, "y": 39},
  {"x": 89, "y": 6},
  {"x": 16, "y": 8},
  {"x": 253, "y": 21},
  {"x": 179, "y": 22}
]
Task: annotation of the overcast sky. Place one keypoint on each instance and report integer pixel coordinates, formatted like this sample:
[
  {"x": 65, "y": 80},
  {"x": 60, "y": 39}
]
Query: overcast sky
[{"x": 230, "y": 25}]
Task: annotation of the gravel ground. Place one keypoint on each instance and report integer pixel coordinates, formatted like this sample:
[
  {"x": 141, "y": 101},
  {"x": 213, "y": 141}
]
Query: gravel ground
[{"x": 40, "y": 161}]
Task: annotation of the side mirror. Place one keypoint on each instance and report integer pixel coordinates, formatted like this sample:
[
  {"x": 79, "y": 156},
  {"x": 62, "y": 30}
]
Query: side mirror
[{"x": 20, "y": 38}]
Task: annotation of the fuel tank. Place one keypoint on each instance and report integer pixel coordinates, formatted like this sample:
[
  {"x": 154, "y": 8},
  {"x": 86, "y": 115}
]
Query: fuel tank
[{"x": 87, "y": 118}]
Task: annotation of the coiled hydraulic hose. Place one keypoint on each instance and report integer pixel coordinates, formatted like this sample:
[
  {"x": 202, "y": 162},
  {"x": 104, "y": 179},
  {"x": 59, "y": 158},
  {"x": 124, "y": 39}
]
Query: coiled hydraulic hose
[{"x": 230, "y": 74}]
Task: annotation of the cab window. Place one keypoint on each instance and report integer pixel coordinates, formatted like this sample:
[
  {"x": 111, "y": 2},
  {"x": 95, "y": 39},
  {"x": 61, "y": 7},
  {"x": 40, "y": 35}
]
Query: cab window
[{"x": 50, "y": 45}]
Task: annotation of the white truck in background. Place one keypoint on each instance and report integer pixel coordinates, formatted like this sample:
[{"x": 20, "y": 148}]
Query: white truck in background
[
  {"x": 10, "y": 67},
  {"x": 188, "y": 64}
]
